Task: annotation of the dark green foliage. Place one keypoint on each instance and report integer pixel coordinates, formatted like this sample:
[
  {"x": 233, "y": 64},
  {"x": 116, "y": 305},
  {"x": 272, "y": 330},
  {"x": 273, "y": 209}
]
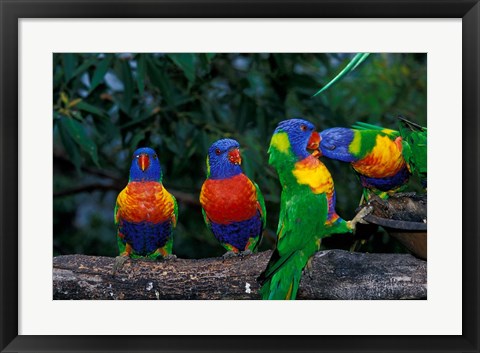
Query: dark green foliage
[{"x": 107, "y": 105}]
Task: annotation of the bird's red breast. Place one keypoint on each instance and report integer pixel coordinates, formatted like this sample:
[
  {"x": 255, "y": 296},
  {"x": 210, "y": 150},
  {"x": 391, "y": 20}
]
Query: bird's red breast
[
  {"x": 229, "y": 200},
  {"x": 145, "y": 201}
]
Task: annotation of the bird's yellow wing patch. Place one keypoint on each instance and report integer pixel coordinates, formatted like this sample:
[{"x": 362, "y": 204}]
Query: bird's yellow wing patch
[{"x": 310, "y": 171}]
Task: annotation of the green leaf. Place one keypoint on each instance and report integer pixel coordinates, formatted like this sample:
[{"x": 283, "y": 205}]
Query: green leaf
[
  {"x": 204, "y": 63},
  {"x": 70, "y": 147},
  {"x": 209, "y": 56},
  {"x": 84, "y": 66},
  {"x": 73, "y": 102},
  {"x": 77, "y": 115},
  {"x": 161, "y": 81},
  {"x": 361, "y": 60},
  {"x": 187, "y": 63},
  {"x": 78, "y": 134},
  {"x": 126, "y": 76},
  {"x": 100, "y": 71},
  {"x": 69, "y": 63},
  {"x": 141, "y": 73},
  {"x": 86, "y": 107},
  {"x": 57, "y": 77},
  {"x": 357, "y": 60},
  {"x": 139, "y": 136}
]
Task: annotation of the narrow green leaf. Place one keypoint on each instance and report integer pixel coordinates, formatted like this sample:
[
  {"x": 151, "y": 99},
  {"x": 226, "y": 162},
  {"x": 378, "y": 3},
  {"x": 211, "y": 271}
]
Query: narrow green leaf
[
  {"x": 187, "y": 63},
  {"x": 361, "y": 60},
  {"x": 141, "y": 73},
  {"x": 161, "y": 81},
  {"x": 84, "y": 66},
  {"x": 70, "y": 147},
  {"x": 126, "y": 75},
  {"x": 58, "y": 73},
  {"x": 100, "y": 72},
  {"x": 69, "y": 63},
  {"x": 357, "y": 59},
  {"x": 73, "y": 102},
  {"x": 86, "y": 107},
  {"x": 78, "y": 134}
]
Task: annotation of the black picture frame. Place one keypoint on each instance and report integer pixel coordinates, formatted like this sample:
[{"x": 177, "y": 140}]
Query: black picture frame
[{"x": 12, "y": 11}]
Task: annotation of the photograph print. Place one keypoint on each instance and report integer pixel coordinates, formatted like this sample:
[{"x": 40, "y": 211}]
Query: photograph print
[{"x": 261, "y": 176}]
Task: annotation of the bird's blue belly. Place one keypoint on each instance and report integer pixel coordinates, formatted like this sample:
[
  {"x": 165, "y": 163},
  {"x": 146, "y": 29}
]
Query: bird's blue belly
[
  {"x": 146, "y": 237},
  {"x": 238, "y": 233},
  {"x": 388, "y": 183}
]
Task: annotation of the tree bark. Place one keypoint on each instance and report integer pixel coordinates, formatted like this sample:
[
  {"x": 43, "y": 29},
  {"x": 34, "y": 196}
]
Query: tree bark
[{"x": 335, "y": 274}]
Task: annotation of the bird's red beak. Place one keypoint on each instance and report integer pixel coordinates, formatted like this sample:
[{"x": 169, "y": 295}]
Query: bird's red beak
[
  {"x": 313, "y": 144},
  {"x": 143, "y": 162},
  {"x": 234, "y": 156}
]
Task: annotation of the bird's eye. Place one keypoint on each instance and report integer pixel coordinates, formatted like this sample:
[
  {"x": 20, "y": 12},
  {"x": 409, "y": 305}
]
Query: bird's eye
[
  {"x": 303, "y": 127},
  {"x": 217, "y": 152},
  {"x": 154, "y": 156},
  {"x": 137, "y": 156}
]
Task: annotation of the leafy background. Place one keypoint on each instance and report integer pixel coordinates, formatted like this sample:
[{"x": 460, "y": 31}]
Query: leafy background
[{"x": 107, "y": 105}]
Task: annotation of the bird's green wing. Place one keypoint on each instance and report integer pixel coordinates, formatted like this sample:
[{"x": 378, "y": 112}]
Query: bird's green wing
[
  {"x": 261, "y": 201},
  {"x": 115, "y": 214},
  {"x": 366, "y": 126},
  {"x": 414, "y": 142},
  {"x": 207, "y": 221},
  {"x": 300, "y": 228},
  {"x": 415, "y": 151},
  {"x": 175, "y": 210}
]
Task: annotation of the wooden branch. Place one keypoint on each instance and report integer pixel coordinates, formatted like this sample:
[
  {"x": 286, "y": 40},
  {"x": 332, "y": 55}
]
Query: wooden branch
[{"x": 335, "y": 274}]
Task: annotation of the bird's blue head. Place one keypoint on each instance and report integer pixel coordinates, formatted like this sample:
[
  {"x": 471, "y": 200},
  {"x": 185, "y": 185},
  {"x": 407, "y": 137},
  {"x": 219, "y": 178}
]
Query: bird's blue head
[
  {"x": 302, "y": 137},
  {"x": 335, "y": 144},
  {"x": 145, "y": 166},
  {"x": 223, "y": 160}
]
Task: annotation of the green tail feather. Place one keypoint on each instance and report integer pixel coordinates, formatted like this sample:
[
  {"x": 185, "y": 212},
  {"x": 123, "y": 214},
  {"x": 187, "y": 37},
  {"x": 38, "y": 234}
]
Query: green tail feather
[
  {"x": 371, "y": 127},
  {"x": 359, "y": 125},
  {"x": 282, "y": 276}
]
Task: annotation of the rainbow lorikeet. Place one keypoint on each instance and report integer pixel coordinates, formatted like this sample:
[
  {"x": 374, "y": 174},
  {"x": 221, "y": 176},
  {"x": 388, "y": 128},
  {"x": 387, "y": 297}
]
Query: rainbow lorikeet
[
  {"x": 307, "y": 210},
  {"x": 145, "y": 212},
  {"x": 414, "y": 140},
  {"x": 233, "y": 206},
  {"x": 414, "y": 145},
  {"x": 375, "y": 155}
]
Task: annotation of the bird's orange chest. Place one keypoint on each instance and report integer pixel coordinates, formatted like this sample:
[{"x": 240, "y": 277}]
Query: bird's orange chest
[
  {"x": 229, "y": 200},
  {"x": 385, "y": 159},
  {"x": 145, "y": 201}
]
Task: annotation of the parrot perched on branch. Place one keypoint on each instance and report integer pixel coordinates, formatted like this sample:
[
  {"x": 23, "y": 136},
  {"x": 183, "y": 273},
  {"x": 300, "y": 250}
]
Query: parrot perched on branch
[
  {"x": 145, "y": 213},
  {"x": 307, "y": 210},
  {"x": 376, "y": 155},
  {"x": 232, "y": 205}
]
